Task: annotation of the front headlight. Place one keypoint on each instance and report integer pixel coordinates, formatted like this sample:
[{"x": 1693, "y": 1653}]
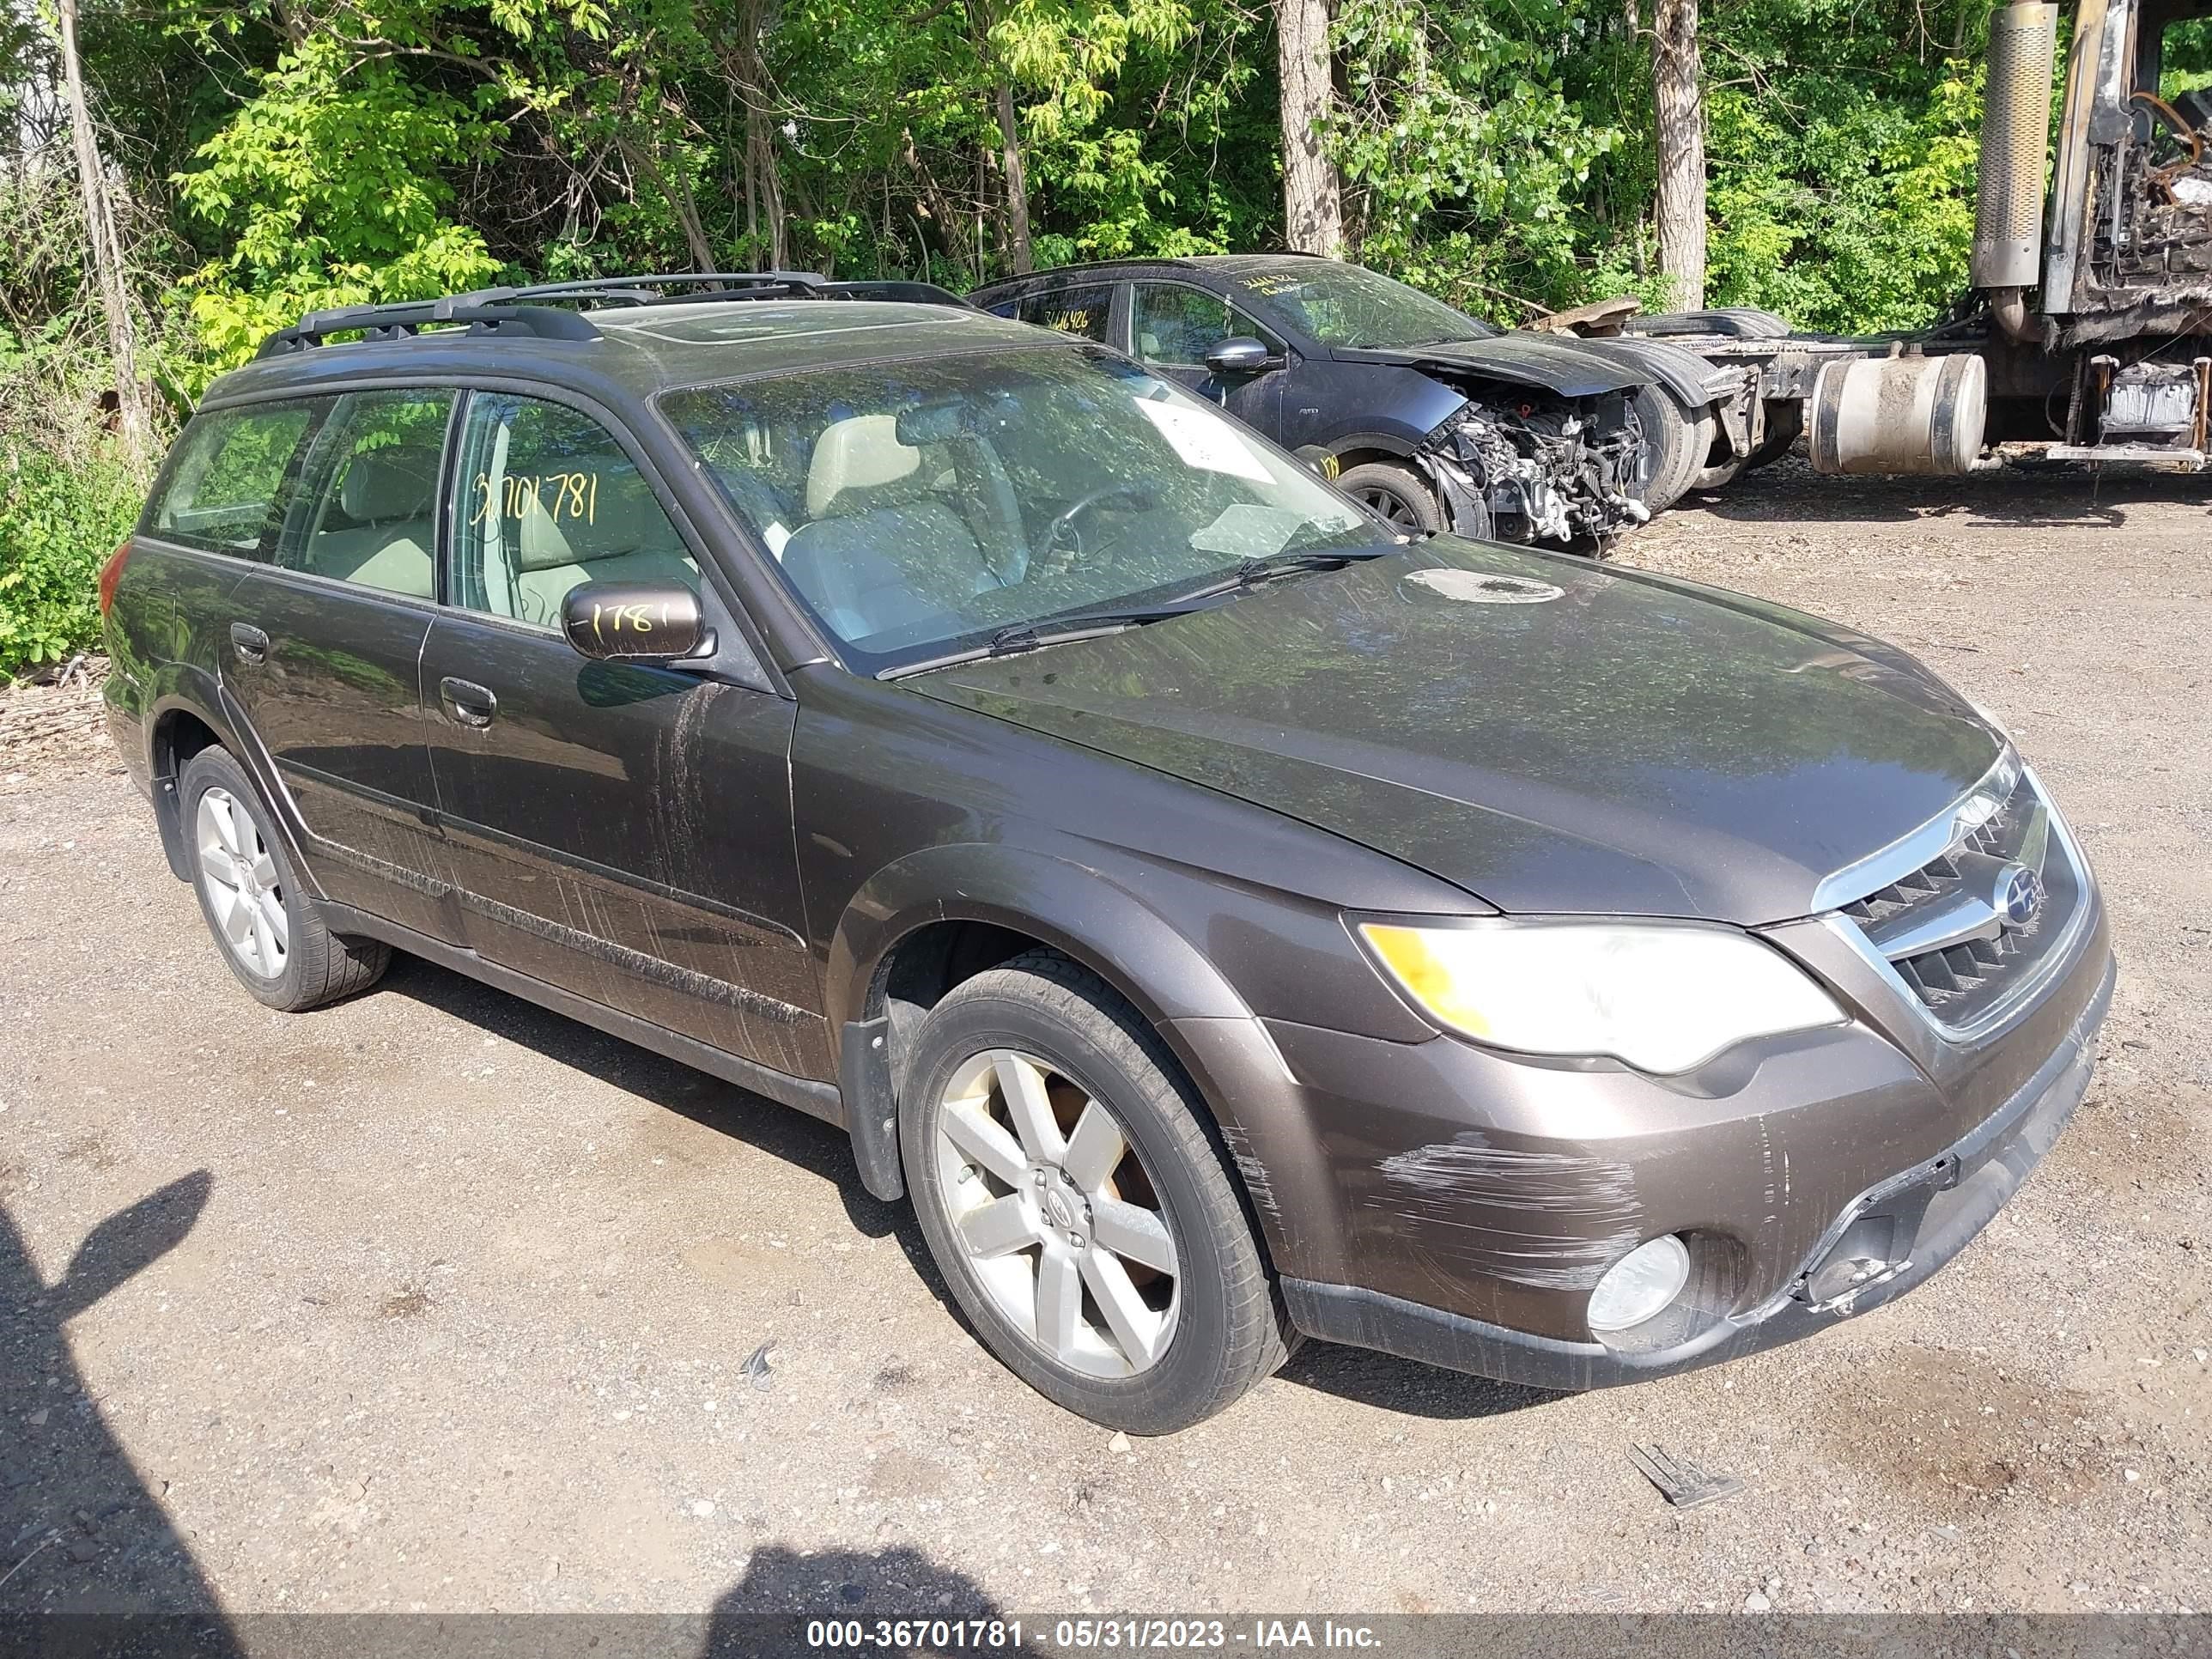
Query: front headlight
[{"x": 1662, "y": 997}]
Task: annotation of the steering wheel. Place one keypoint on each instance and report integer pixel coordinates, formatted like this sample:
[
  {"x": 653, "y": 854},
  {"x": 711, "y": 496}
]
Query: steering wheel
[
  {"x": 1135, "y": 497},
  {"x": 2178, "y": 124}
]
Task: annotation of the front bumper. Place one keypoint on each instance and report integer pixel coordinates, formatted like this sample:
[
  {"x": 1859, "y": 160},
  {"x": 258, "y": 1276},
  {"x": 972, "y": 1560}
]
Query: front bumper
[
  {"x": 1453, "y": 1205},
  {"x": 1924, "y": 1214}
]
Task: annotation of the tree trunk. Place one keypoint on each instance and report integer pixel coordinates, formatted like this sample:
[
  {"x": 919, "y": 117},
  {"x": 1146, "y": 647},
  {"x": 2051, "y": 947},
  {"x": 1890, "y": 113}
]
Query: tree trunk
[
  {"x": 678, "y": 195},
  {"x": 1016, "y": 179},
  {"x": 104, "y": 245},
  {"x": 1313, "y": 210},
  {"x": 1679, "y": 106}
]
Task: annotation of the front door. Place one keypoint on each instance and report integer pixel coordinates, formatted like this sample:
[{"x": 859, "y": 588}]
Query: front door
[
  {"x": 323, "y": 645},
  {"x": 622, "y": 831},
  {"x": 1172, "y": 326}
]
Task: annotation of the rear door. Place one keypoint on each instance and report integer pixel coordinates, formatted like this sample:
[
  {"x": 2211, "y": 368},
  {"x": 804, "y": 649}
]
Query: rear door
[
  {"x": 622, "y": 831},
  {"x": 323, "y": 645},
  {"x": 1172, "y": 326}
]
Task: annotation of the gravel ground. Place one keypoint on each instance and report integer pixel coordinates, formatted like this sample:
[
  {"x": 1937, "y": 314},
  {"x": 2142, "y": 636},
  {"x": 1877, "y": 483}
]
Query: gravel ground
[{"x": 433, "y": 1300}]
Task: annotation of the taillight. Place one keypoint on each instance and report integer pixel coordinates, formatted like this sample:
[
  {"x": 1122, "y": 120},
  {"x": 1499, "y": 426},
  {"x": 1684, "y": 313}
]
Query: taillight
[{"x": 110, "y": 573}]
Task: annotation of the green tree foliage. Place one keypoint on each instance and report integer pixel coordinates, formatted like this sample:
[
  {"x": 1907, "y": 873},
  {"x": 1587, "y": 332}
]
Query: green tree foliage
[{"x": 279, "y": 156}]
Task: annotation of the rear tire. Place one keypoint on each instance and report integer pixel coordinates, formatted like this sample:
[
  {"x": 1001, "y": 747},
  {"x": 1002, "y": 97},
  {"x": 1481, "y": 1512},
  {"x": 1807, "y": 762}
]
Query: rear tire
[
  {"x": 266, "y": 927},
  {"x": 1408, "y": 504},
  {"x": 1105, "y": 1260}
]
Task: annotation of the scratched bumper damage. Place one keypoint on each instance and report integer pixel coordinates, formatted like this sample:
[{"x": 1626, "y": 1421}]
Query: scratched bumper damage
[
  {"x": 1522, "y": 465},
  {"x": 1480, "y": 1198}
]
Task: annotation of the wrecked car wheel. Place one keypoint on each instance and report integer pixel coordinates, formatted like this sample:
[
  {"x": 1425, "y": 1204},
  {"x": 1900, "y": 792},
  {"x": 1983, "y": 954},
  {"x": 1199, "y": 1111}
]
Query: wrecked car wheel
[
  {"x": 1403, "y": 500},
  {"x": 1078, "y": 1205},
  {"x": 1676, "y": 442}
]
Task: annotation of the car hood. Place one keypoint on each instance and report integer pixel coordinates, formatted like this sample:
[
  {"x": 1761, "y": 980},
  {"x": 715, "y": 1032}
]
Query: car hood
[
  {"x": 1548, "y": 734},
  {"x": 1572, "y": 367}
]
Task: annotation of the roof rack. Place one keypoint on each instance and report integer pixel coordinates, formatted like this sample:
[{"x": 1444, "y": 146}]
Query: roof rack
[
  {"x": 407, "y": 319},
  {"x": 509, "y": 312}
]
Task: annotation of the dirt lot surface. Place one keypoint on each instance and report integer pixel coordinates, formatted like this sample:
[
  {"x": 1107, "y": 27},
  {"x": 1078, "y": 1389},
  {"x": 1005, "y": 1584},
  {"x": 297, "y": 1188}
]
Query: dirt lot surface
[{"x": 433, "y": 1300}]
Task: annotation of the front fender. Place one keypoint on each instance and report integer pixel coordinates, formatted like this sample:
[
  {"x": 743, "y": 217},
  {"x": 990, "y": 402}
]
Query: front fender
[
  {"x": 1075, "y": 908},
  {"x": 1082, "y": 912}
]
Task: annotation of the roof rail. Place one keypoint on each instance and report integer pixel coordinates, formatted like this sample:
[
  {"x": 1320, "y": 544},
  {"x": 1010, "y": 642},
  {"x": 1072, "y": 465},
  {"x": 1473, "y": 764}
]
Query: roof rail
[
  {"x": 651, "y": 290},
  {"x": 408, "y": 318},
  {"x": 509, "y": 312},
  {"x": 685, "y": 288}
]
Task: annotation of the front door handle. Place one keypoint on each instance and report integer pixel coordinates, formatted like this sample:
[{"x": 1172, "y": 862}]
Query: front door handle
[
  {"x": 466, "y": 702},
  {"x": 251, "y": 644}
]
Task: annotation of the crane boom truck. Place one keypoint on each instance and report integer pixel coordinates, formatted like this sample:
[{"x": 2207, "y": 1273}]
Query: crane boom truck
[{"x": 2087, "y": 334}]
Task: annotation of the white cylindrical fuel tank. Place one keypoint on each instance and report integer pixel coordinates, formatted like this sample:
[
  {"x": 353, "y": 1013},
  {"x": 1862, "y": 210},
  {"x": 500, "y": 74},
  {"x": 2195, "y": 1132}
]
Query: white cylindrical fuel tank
[{"x": 1922, "y": 416}]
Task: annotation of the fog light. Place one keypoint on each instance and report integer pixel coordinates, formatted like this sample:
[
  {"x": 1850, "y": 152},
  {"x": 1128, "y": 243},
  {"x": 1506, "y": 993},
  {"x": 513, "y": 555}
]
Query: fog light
[{"x": 1639, "y": 1285}]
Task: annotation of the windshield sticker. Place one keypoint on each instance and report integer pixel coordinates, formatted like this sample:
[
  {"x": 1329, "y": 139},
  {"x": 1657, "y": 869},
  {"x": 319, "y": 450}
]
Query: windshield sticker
[
  {"x": 1486, "y": 587},
  {"x": 1204, "y": 440}
]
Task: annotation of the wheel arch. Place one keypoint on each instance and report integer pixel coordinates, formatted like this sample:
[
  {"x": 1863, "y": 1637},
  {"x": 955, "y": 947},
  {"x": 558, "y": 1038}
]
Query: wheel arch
[
  {"x": 185, "y": 718},
  {"x": 937, "y": 918}
]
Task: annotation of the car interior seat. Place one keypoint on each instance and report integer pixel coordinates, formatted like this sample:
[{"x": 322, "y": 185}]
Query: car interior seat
[
  {"x": 386, "y": 497},
  {"x": 888, "y": 544}
]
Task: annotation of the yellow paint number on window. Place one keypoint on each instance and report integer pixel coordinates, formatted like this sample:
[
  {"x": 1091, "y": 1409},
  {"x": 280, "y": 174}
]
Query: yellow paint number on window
[{"x": 563, "y": 497}]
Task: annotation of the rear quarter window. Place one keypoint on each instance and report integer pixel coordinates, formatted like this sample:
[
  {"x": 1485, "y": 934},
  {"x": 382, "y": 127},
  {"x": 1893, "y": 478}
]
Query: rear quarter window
[
  {"x": 1081, "y": 311},
  {"x": 226, "y": 484}
]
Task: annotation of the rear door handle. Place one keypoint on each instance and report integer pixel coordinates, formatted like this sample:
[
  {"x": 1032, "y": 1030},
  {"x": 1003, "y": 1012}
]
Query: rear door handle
[
  {"x": 251, "y": 644},
  {"x": 466, "y": 702}
]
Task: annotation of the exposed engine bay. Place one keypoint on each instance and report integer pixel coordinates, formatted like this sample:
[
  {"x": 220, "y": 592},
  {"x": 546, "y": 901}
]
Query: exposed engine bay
[{"x": 1524, "y": 465}]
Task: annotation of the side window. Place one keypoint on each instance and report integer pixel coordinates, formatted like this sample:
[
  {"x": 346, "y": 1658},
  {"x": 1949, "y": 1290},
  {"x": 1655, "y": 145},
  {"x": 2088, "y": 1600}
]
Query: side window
[
  {"x": 544, "y": 498},
  {"x": 1175, "y": 326},
  {"x": 233, "y": 469},
  {"x": 1081, "y": 311},
  {"x": 369, "y": 517}
]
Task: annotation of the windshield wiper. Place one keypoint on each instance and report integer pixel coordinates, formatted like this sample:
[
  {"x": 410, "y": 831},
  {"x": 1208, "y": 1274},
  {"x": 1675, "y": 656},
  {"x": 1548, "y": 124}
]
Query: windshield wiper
[
  {"x": 1253, "y": 572},
  {"x": 1018, "y": 637}
]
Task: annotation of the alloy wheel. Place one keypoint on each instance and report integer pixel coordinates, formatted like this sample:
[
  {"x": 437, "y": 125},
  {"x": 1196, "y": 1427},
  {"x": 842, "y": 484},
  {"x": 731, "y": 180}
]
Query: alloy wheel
[
  {"x": 1392, "y": 507},
  {"x": 245, "y": 892},
  {"x": 1061, "y": 1223}
]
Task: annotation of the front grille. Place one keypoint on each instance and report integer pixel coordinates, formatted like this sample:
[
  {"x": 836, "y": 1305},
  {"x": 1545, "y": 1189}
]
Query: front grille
[{"x": 1942, "y": 927}]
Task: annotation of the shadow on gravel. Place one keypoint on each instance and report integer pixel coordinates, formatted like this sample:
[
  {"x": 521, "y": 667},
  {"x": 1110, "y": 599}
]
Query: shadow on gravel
[
  {"x": 1392, "y": 1384},
  {"x": 2024, "y": 497},
  {"x": 776, "y": 1129},
  {"x": 866, "y": 1585},
  {"x": 79, "y": 1531}
]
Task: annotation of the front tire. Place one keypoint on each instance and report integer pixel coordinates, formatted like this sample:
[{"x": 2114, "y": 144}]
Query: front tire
[
  {"x": 1395, "y": 495},
  {"x": 1076, "y": 1204},
  {"x": 269, "y": 931}
]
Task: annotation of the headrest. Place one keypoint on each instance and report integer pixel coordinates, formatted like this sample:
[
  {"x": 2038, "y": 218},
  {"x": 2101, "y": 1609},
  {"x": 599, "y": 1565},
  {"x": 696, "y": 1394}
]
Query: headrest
[
  {"x": 620, "y": 517},
  {"x": 860, "y": 465},
  {"x": 393, "y": 483}
]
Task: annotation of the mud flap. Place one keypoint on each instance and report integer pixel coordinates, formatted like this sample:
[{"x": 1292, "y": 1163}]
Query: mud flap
[{"x": 871, "y": 1106}]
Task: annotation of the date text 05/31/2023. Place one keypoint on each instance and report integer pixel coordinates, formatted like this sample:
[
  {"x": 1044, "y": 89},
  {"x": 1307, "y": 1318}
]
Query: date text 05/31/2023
[{"x": 1088, "y": 1635}]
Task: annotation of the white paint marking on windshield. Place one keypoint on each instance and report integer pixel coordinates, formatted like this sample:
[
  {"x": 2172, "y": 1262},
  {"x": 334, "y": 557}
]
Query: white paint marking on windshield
[{"x": 1205, "y": 441}]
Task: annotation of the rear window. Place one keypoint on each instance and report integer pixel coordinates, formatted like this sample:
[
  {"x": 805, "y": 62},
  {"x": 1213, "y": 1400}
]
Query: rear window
[
  {"x": 1081, "y": 311},
  {"x": 224, "y": 488}
]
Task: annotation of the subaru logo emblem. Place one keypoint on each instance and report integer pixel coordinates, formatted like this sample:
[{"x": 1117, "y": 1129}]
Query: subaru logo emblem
[{"x": 2019, "y": 894}]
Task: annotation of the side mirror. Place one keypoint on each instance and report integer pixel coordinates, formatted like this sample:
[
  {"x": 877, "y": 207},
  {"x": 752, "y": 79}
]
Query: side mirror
[
  {"x": 1242, "y": 355},
  {"x": 635, "y": 621}
]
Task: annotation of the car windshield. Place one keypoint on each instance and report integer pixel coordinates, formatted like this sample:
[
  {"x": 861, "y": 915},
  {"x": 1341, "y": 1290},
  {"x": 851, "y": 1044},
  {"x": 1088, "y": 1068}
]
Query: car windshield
[
  {"x": 1339, "y": 304},
  {"x": 918, "y": 506}
]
